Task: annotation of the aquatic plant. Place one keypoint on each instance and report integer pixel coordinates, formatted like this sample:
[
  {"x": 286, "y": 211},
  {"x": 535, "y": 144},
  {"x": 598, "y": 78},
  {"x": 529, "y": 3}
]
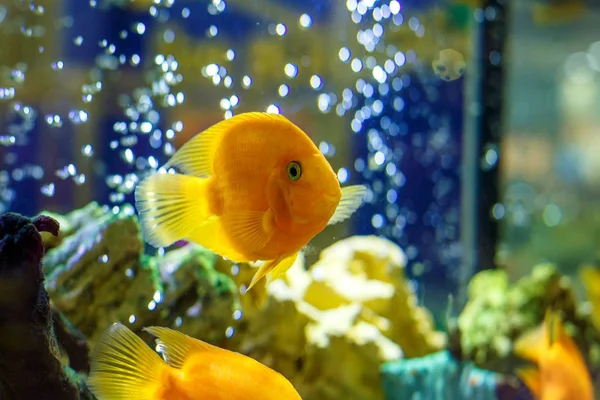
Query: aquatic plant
[{"x": 498, "y": 312}]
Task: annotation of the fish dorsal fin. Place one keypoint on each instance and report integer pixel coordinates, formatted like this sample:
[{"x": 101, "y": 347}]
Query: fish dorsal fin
[
  {"x": 123, "y": 367},
  {"x": 531, "y": 344},
  {"x": 196, "y": 156},
  {"x": 553, "y": 326},
  {"x": 177, "y": 347},
  {"x": 531, "y": 378},
  {"x": 556, "y": 334},
  {"x": 249, "y": 230},
  {"x": 352, "y": 198}
]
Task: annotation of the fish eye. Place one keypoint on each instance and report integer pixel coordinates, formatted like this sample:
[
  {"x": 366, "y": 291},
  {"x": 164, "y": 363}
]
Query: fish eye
[{"x": 294, "y": 171}]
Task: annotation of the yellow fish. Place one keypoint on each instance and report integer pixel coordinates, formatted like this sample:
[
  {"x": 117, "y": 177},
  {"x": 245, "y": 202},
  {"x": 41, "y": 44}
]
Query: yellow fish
[
  {"x": 450, "y": 65},
  {"x": 561, "y": 373},
  {"x": 254, "y": 188},
  {"x": 124, "y": 368}
]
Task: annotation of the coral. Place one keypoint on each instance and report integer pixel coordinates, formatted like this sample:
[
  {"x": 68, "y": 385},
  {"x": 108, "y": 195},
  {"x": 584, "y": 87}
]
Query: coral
[
  {"x": 353, "y": 305},
  {"x": 30, "y": 366},
  {"x": 309, "y": 345},
  {"x": 97, "y": 275},
  {"x": 370, "y": 270},
  {"x": 353, "y": 309},
  {"x": 498, "y": 312}
]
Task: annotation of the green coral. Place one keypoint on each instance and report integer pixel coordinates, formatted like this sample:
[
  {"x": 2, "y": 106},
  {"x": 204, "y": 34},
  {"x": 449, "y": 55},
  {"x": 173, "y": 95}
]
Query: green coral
[{"x": 97, "y": 274}]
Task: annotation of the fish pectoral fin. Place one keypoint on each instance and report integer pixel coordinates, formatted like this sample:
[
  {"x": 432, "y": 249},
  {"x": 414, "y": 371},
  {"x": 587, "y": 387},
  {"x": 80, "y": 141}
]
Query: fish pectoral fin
[
  {"x": 531, "y": 378},
  {"x": 169, "y": 206},
  {"x": 273, "y": 268},
  {"x": 177, "y": 347},
  {"x": 352, "y": 198},
  {"x": 124, "y": 367},
  {"x": 250, "y": 230},
  {"x": 211, "y": 235}
]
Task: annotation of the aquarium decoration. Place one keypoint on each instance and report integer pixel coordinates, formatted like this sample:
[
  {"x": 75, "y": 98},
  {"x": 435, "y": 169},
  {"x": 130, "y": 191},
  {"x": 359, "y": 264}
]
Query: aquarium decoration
[
  {"x": 352, "y": 304},
  {"x": 88, "y": 110},
  {"x": 438, "y": 376},
  {"x": 29, "y": 353}
]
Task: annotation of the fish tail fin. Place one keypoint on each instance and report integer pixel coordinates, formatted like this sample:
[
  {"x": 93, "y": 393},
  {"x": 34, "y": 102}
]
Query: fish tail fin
[
  {"x": 124, "y": 367},
  {"x": 170, "y": 206},
  {"x": 531, "y": 378}
]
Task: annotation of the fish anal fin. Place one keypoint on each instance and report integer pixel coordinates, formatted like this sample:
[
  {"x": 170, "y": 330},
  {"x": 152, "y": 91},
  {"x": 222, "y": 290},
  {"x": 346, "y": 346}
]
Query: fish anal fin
[
  {"x": 352, "y": 198},
  {"x": 124, "y": 367},
  {"x": 177, "y": 347},
  {"x": 250, "y": 230},
  {"x": 170, "y": 206},
  {"x": 531, "y": 378},
  {"x": 211, "y": 235}
]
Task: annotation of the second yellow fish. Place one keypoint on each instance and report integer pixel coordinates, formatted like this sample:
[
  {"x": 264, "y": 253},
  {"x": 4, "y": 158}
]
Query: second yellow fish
[
  {"x": 123, "y": 367},
  {"x": 254, "y": 188}
]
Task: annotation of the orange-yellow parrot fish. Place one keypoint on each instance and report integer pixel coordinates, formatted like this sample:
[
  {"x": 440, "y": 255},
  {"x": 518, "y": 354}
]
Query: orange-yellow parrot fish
[
  {"x": 561, "y": 373},
  {"x": 254, "y": 188},
  {"x": 123, "y": 367}
]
